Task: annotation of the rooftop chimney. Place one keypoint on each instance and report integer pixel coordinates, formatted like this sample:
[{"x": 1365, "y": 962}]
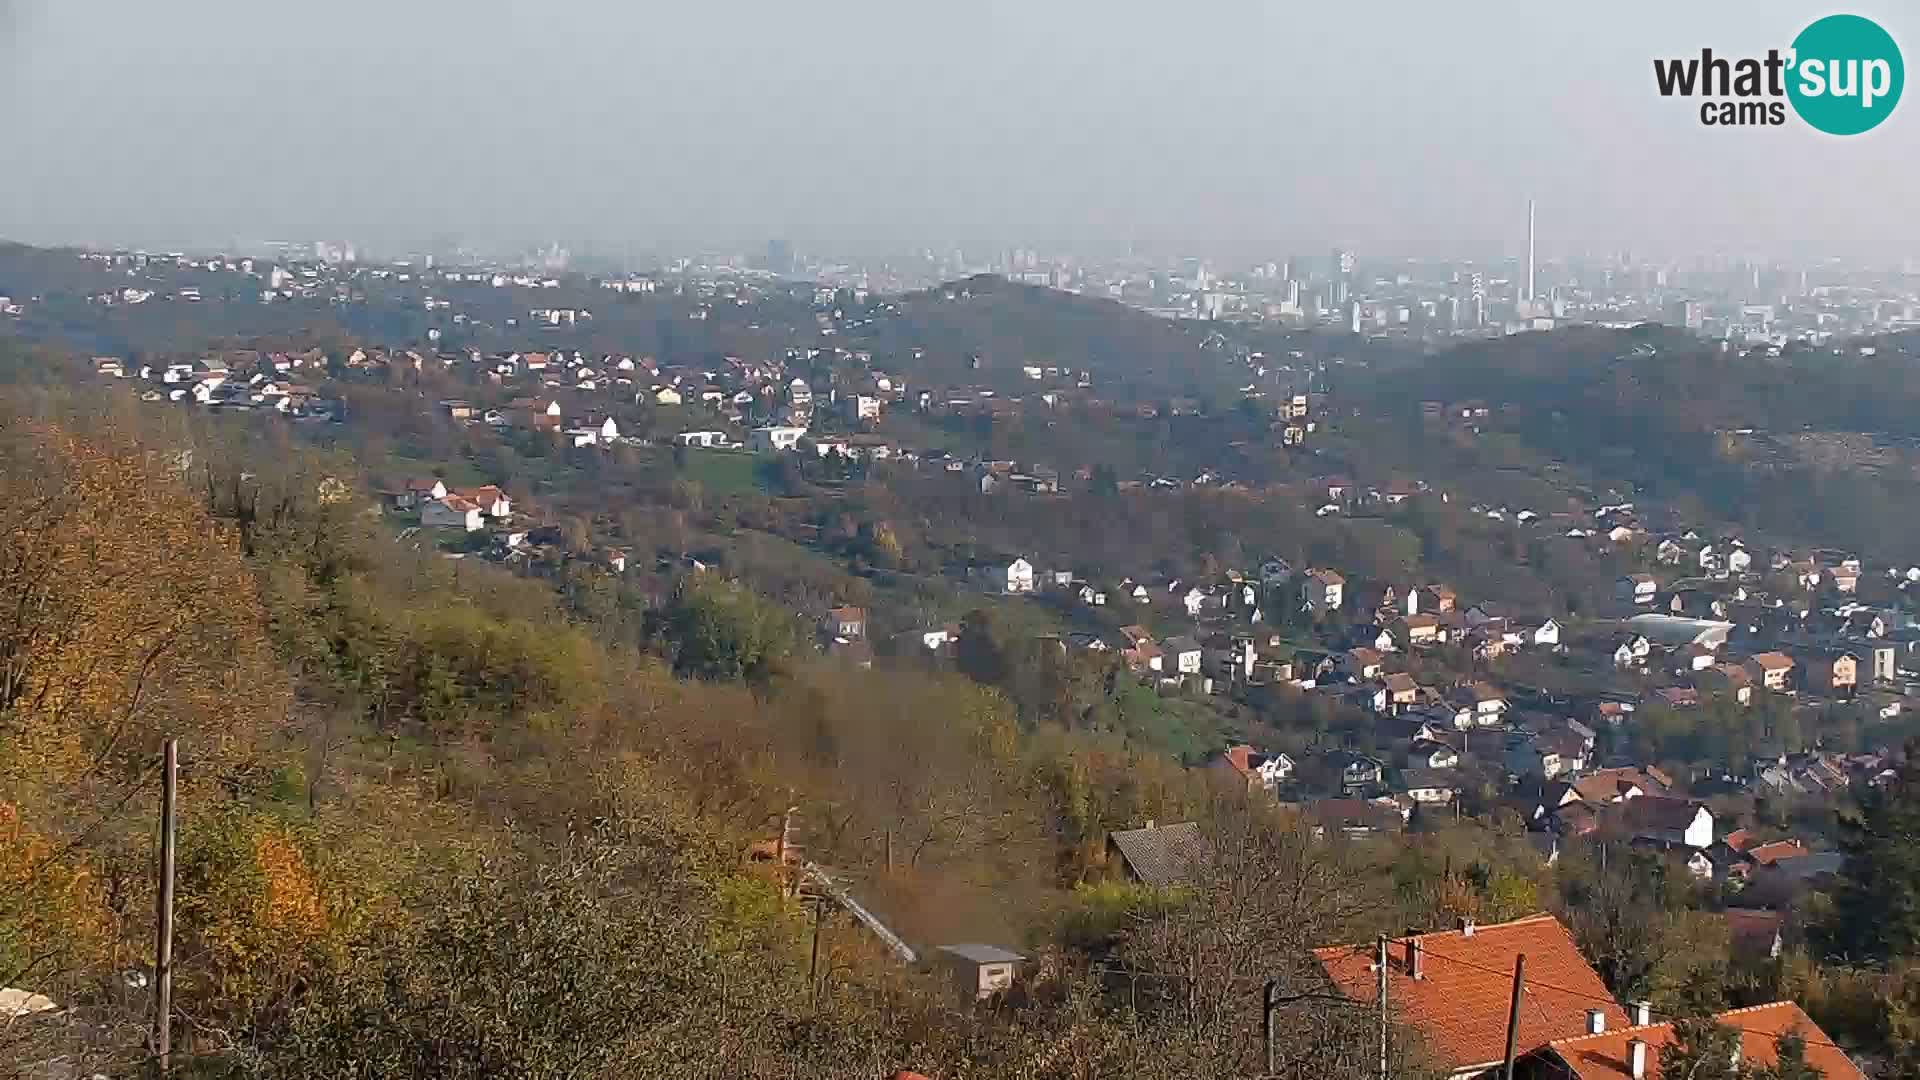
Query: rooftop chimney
[
  {"x": 1637, "y": 1058},
  {"x": 1596, "y": 1021},
  {"x": 1466, "y": 927},
  {"x": 1642, "y": 1013},
  {"x": 1415, "y": 969}
]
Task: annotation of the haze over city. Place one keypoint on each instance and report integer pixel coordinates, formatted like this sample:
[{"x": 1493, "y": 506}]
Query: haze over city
[{"x": 1230, "y": 130}]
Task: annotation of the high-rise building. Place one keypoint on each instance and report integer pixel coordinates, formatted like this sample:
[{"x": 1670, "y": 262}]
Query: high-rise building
[
  {"x": 1688, "y": 313},
  {"x": 1529, "y": 293}
]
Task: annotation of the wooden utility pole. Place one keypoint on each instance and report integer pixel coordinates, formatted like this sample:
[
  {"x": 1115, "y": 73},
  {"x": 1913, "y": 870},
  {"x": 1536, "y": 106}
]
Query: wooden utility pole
[
  {"x": 163, "y": 947},
  {"x": 1266, "y": 1020},
  {"x": 1382, "y": 958},
  {"x": 813, "y": 962},
  {"x": 1513, "y": 1011},
  {"x": 783, "y": 853}
]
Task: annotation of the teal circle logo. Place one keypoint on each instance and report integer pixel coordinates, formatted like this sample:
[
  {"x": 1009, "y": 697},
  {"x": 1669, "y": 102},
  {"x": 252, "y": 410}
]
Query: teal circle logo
[{"x": 1846, "y": 75}]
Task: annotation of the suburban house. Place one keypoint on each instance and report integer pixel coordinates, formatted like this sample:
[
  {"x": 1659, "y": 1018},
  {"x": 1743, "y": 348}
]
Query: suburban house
[
  {"x": 1158, "y": 855},
  {"x": 1423, "y": 631},
  {"x": 491, "y": 500},
  {"x": 1402, "y": 691},
  {"x": 1363, "y": 663},
  {"x": 849, "y": 623},
  {"x": 1325, "y": 590},
  {"x": 1182, "y": 655},
  {"x": 774, "y": 439},
  {"x": 1357, "y": 772},
  {"x": 416, "y": 492},
  {"x": 1668, "y": 822},
  {"x": 1229, "y": 656},
  {"x": 1636, "y": 588},
  {"x": 1428, "y": 786},
  {"x": 1618, "y": 785},
  {"x": 1354, "y": 817},
  {"x": 1454, "y": 989},
  {"x": 1631, "y": 650},
  {"x": 1530, "y": 758},
  {"x": 1432, "y": 754},
  {"x": 534, "y": 413},
  {"x": 1830, "y": 672},
  {"x": 1771, "y": 670},
  {"x": 1633, "y": 1053},
  {"x": 1730, "y": 680},
  {"x": 1756, "y": 933},
  {"x": 1258, "y": 771},
  {"x": 1014, "y": 577},
  {"x": 452, "y": 512}
]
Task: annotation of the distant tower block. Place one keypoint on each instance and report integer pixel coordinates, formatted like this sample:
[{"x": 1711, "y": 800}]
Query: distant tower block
[{"x": 1529, "y": 296}]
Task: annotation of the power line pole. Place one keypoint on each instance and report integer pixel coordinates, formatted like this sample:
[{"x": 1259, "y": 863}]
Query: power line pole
[
  {"x": 1382, "y": 958},
  {"x": 163, "y": 947},
  {"x": 813, "y": 962},
  {"x": 1513, "y": 1011},
  {"x": 1267, "y": 1006}
]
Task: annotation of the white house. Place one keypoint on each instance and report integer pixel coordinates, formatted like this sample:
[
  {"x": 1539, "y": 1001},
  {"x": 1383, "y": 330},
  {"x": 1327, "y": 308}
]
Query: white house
[
  {"x": 1325, "y": 591},
  {"x": 491, "y": 500},
  {"x": 774, "y": 439},
  {"x": 702, "y": 439},
  {"x": 1194, "y": 599},
  {"x": 452, "y": 512},
  {"x": 1636, "y": 588},
  {"x": 1547, "y": 633},
  {"x": 1013, "y": 577},
  {"x": 1672, "y": 822},
  {"x": 1182, "y": 655},
  {"x": 417, "y": 492}
]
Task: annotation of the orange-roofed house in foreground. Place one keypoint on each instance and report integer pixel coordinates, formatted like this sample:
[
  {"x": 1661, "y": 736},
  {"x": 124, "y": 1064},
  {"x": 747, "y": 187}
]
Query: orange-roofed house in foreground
[
  {"x": 1634, "y": 1053},
  {"x": 1454, "y": 988}
]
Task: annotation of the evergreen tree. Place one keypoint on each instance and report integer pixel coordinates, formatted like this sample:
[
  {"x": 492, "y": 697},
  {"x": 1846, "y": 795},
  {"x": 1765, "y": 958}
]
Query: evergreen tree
[{"x": 1876, "y": 905}]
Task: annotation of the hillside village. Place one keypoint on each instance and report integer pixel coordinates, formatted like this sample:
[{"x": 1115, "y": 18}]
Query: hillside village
[
  {"x": 1440, "y": 698},
  {"x": 1709, "y": 704}
]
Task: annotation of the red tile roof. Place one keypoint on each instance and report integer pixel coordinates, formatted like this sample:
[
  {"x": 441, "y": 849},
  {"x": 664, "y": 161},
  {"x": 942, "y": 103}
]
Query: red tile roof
[
  {"x": 1605, "y": 1056},
  {"x": 1459, "y": 1005},
  {"x": 1753, "y": 929},
  {"x": 1768, "y": 854}
]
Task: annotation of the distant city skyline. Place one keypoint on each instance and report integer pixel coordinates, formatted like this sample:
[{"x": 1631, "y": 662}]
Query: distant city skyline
[{"x": 1235, "y": 131}]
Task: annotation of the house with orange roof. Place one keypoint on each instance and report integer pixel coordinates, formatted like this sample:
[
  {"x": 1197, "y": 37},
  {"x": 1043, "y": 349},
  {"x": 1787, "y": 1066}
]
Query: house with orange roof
[
  {"x": 452, "y": 512},
  {"x": 1771, "y": 669},
  {"x": 1454, "y": 989},
  {"x": 1634, "y": 1053},
  {"x": 1258, "y": 771}
]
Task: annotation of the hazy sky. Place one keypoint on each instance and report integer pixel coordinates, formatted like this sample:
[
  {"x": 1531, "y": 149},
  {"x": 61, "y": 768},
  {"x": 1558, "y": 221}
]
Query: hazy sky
[{"x": 1223, "y": 127}]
